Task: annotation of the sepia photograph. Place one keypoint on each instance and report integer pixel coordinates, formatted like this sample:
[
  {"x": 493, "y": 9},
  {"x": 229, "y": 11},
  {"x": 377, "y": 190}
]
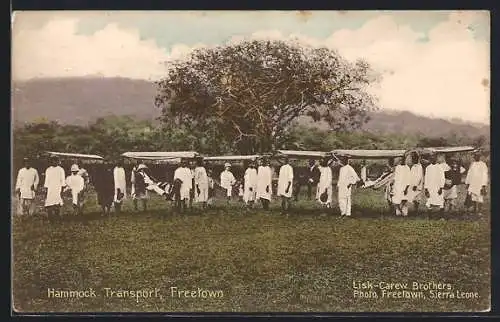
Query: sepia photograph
[{"x": 250, "y": 161}]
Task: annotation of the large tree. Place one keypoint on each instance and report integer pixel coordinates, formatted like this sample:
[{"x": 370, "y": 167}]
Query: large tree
[{"x": 248, "y": 94}]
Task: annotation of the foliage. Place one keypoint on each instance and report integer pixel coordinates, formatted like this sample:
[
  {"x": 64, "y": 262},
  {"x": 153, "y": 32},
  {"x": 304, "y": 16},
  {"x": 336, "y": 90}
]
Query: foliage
[
  {"x": 248, "y": 94},
  {"x": 112, "y": 136}
]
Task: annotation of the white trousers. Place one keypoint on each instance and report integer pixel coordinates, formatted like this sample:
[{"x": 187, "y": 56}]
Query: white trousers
[{"x": 345, "y": 205}]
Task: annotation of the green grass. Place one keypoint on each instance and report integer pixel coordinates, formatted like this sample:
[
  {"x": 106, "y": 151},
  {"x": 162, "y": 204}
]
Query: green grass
[{"x": 263, "y": 262}]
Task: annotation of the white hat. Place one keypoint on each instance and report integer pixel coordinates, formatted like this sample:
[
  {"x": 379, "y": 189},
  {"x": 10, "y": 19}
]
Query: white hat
[
  {"x": 142, "y": 166},
  {"x": 74, "y": 167},
  {"x": 227, "y": 165}
]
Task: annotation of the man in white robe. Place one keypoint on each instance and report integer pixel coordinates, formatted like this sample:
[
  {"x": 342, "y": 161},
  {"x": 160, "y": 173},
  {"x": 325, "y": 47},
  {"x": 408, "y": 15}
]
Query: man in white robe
[
  {"x": 227, "y": 180},
  {"x": 347, "y": 178},
  {"x": 324, "y": 192},
  {"x": 264, "y": 183},
  {"x": 76, "y": 184},
  {"x": 476, "y": 181},
  {"x": 201, "y": 183},
  {"x": 184, "y": 178},
  {"x": 55, "y": 180},
  {"x": 26, "y": 185},
  {"x": 434, "y": 181},
  {"x": 285, "y": 185},
  {"x": 416, "y": 181},
  {"x": 250, "y": 185},
  {"x": 402, "y": 175},
  {"x": 120, "y": 186}
]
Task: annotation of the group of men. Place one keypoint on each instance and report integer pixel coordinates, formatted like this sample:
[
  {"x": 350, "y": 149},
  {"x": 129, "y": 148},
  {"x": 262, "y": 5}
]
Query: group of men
[
  {"x": 438, "y": 183},
  {"x": 194, "y": 183}
]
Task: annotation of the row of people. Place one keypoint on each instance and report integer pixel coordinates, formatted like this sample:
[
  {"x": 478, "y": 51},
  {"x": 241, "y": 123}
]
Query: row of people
[
  {"x": 437, "y": 184},
  {"x": 195, "y": 184}
]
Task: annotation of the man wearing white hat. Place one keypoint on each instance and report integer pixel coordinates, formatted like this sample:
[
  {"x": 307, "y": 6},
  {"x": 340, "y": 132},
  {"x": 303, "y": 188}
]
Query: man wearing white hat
[
  {"x": 227, "y": 180},
  {"x": 55, "y": 180},
  {"x": 75, "y": 184},
  {"x": 26, "y": 185}
]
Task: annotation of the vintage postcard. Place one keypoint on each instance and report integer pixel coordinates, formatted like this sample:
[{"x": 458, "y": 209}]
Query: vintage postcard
[{"x": 251, "y": 161}]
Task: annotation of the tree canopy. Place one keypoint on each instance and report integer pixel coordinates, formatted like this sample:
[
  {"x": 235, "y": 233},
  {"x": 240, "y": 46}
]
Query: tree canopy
[{"x": 247, "y": 95}]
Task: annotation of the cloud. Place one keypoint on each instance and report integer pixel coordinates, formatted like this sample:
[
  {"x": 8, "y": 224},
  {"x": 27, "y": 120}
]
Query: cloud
[
  {"x": 441, "y": 73},
  {"x": 56, "y": 50}
]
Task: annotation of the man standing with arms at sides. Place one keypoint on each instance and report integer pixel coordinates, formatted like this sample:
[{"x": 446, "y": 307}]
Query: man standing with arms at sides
[
  {"x": 416, "y": 181},
  {"x": 75, "y": 183},
  {"x": 227, "y": 180},
  {"x": 182, "y": 183},
  {"x": 26, "y": 185},
  {"x": 313, "y": 179},
  {"x": 120, "y": 185},
  {"x": 285, "y": 185},
  {"x": 325, "y": 185},
  {"x": 201, "y": 183},
  {"x": 434, "y": 181},
  {"x": 347, "y": 178},
  {"x": 104, "y": 187},
  {"x": 264, "y": 183},
  {"x": 55, "y": 180},
  {"x": 476, "y": 181},
  {"x": 250, "y": 185}
]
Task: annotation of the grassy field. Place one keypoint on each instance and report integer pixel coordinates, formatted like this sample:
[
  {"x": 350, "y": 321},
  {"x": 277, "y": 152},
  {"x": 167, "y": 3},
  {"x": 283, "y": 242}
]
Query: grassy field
[{"x": 262, "y": 262}]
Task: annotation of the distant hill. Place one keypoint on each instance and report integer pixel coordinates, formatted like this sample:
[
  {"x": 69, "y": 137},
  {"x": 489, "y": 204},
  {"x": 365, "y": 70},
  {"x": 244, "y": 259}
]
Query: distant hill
[{"x": 83, "y": 100}]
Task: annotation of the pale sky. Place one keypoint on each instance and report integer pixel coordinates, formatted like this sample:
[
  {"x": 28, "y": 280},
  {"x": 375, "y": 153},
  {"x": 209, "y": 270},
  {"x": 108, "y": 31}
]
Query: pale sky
[{"x": 434, "y": 63}]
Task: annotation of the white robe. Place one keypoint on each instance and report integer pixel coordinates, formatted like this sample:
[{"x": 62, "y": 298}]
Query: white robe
[
  {"x": 476, "y": 178},
  {"x": 325, "y": 183},
  {"x": 76, "y": 184},
  {"x": 285, "y": 176},
  {"x": 55, "y": 180},
  {"x": 433, "y": 181},
  {"x": 347, "y": 177},
  {"x": 264, "y": 180},
  {"x": 250, "y": 186},
  {"x": 227, "y": 181},
  {"x": 120, "y": 182},
  {"x": 402, "y": 176},
  {"x": 186, "y": 176},
  {"x": 26, "y": 178},
  {"x": 201, "y": 180},
  {"x": 416, "y": 180}
]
